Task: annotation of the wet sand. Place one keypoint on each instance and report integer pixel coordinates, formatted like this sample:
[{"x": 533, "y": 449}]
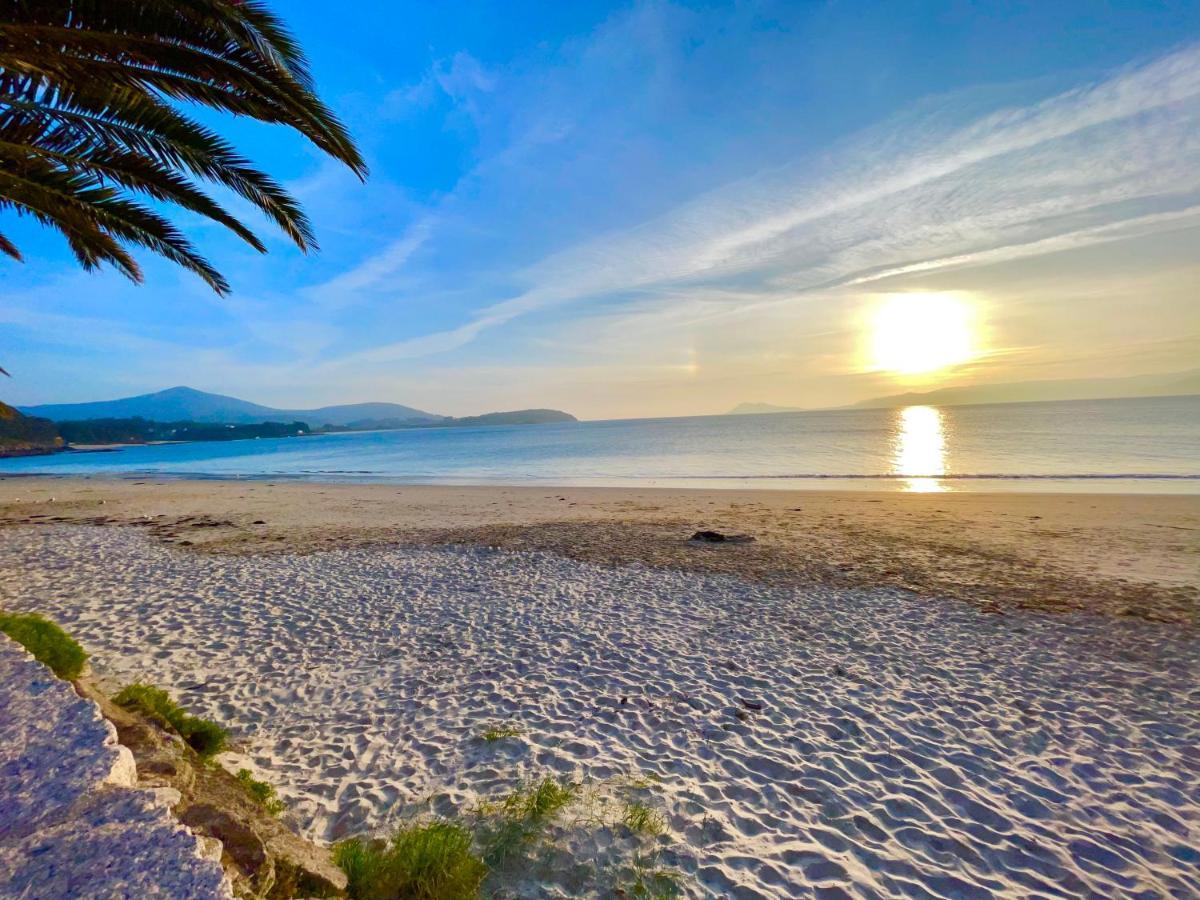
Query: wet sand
[{"x": 1119, "y": 555}]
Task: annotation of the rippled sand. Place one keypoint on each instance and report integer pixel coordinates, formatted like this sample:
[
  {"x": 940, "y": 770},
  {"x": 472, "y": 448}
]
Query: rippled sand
[{"x": 808, "y": 740}]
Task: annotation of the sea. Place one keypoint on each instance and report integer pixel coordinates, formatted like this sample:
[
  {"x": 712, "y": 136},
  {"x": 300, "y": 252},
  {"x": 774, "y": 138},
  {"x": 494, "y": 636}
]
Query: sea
[{"x": 1144, "y": 445}]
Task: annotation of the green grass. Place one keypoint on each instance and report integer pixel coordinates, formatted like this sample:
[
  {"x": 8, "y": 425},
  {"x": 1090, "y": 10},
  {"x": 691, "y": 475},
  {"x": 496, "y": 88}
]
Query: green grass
[
  {"x": 204, "y": 736},
  {"x": 649, "y": 883},
  {"x": 499, "y": 732},
  {"x": 48, "y": 643},
  {"x": 512, "y": 838},
  {"x": 261, "y": 791},
  {"x": 641, "y": 819},
  {"x": 538, "y": 802},
  {"x": 433, "y": 861},
  {"x": 509, "y": 825}
]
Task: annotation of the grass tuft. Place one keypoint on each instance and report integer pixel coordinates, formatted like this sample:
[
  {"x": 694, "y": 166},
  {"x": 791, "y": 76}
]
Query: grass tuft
[
  {"x": 650, "y": 883},
  {"x": 48, "y": 643},
  {"x": 204, "y": 736},
  {"x": 261, "y": 791},
  {"x": 539, "y": 802},
  {"x": 641, "y": 819},
  {"x": 513, "y": 838},
  {"x": 433, "y": 861},
  {"x": 512, "y": 823},
  {"x": 499, "y": 732}
]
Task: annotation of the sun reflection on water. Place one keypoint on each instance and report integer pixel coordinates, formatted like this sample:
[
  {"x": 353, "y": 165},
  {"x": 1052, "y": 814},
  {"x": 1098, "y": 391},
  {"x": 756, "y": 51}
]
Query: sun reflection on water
[{"x": 919, "y": 448}]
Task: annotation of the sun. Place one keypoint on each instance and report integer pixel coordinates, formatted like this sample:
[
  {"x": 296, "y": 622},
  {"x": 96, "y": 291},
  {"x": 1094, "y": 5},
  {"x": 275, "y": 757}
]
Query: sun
[{"x": 915, "y": 334}]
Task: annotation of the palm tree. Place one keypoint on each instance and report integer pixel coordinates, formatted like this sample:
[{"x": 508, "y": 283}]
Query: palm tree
[{"x": 90, "y": 123}]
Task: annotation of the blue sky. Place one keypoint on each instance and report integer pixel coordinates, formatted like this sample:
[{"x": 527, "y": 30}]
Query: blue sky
[{"x": 665, "y": 209}]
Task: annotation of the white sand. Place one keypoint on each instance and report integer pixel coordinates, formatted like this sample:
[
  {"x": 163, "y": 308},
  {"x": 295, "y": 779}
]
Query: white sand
[{"x": 905, "y": 747}]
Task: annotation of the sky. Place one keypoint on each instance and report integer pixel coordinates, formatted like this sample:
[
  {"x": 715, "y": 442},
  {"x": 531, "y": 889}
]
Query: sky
[{"x": 654, "y": 208}]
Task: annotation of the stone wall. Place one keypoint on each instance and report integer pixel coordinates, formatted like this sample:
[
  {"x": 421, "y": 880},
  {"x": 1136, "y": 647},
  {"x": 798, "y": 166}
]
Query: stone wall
[{"x": 72, "y": 822}]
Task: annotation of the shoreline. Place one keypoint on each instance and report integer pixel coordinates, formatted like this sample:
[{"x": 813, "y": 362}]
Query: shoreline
[
  {"x": 1123, "y": 483},
  {"x": 1109, "y": 554},
  {"x": 659, "y": 482}
]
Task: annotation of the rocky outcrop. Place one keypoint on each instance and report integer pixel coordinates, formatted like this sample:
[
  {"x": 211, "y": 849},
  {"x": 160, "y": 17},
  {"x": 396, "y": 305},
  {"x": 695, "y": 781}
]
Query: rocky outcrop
[
  {"x": 96, "y": 800},
  {"x": 72, "y": 819},
  {"x": 262, "y": 857}
]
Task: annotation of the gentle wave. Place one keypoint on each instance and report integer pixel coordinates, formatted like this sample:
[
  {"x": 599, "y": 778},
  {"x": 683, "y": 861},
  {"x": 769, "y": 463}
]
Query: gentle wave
[{"x": 365, "y": 474}]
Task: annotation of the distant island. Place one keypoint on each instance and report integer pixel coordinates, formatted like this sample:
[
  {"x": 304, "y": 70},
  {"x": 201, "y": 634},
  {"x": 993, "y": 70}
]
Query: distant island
[
  {"x": 757, "y": 409},
  {"x": 1170, "y": 384},
  {"x": 514, "y": 417},
  {"x": 186, "y": 414},
  {"x": 1167, "y": 385},
  {"x": 26, "y": 436}
]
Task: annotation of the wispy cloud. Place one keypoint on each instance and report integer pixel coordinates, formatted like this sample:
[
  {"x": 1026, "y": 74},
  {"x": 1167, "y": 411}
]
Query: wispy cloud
[
  {"x": 460, "y": 77},
  {"x": 1093, "y": 164},
  {"x": 658, "y": 206},
  {"x": 342, "y": 289}
]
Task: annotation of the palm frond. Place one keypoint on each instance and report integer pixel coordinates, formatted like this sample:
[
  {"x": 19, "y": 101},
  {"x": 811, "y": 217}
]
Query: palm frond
[
  {"x": 138, "y": 173},
  {"x": 8, "y": 248},
  {"x": 149, "y": 127},
  {"x": 89, "y": 91},
  {"x": 69, "y": 201}
]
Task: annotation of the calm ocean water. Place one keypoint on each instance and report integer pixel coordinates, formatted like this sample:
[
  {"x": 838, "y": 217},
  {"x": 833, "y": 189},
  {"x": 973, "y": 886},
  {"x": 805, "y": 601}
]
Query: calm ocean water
[{"x": 1138, "y": 445}]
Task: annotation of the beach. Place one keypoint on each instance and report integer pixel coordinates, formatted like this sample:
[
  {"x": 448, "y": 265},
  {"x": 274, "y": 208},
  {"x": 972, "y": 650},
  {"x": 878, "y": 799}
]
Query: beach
[
  {"x": 1113, "y": 554},
  {"x": 959, "y": 694}
]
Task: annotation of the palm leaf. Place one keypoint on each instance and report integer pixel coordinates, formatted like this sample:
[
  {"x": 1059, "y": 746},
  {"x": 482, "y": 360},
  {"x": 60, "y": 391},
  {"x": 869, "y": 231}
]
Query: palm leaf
[
  {"x": 71, "y": 200},
  {"x": 89, "y": 122},
  {"x": 136, "y": 172},
  {"x": 8, "y": 248},
  {"x": 150, "y": 128}
]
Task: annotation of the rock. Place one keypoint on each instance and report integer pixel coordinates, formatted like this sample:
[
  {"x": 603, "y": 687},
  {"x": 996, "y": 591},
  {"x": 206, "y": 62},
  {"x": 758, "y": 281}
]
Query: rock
[
  {"x": 719, "y": 537},
  {"x": 261, "y": 856},
  {"x": 755, "y": 705},
  {"x": 163, "y": 767},
  {"x": 167, "y": 796},
  {"x": 210, "y": 847},
  {"x": 124, "y": 769},
  {"x": 71, "y": 822},
  {"x": 245, "y": 848}
]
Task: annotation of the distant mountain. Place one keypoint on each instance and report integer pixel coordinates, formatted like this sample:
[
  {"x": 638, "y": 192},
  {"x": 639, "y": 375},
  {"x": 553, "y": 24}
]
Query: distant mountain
[
  {"x": 1164, "y": 385},
  {"x": 516, "y": 417},
  {"x": 754, "y": 409},
  {"x": 1171, "y": 384},
  {"x": 354, "y": 414},
  {"x": 184, "y": 404}
]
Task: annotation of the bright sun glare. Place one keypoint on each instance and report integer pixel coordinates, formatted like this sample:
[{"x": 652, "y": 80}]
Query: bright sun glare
[{"x": 914, "y": 334}]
